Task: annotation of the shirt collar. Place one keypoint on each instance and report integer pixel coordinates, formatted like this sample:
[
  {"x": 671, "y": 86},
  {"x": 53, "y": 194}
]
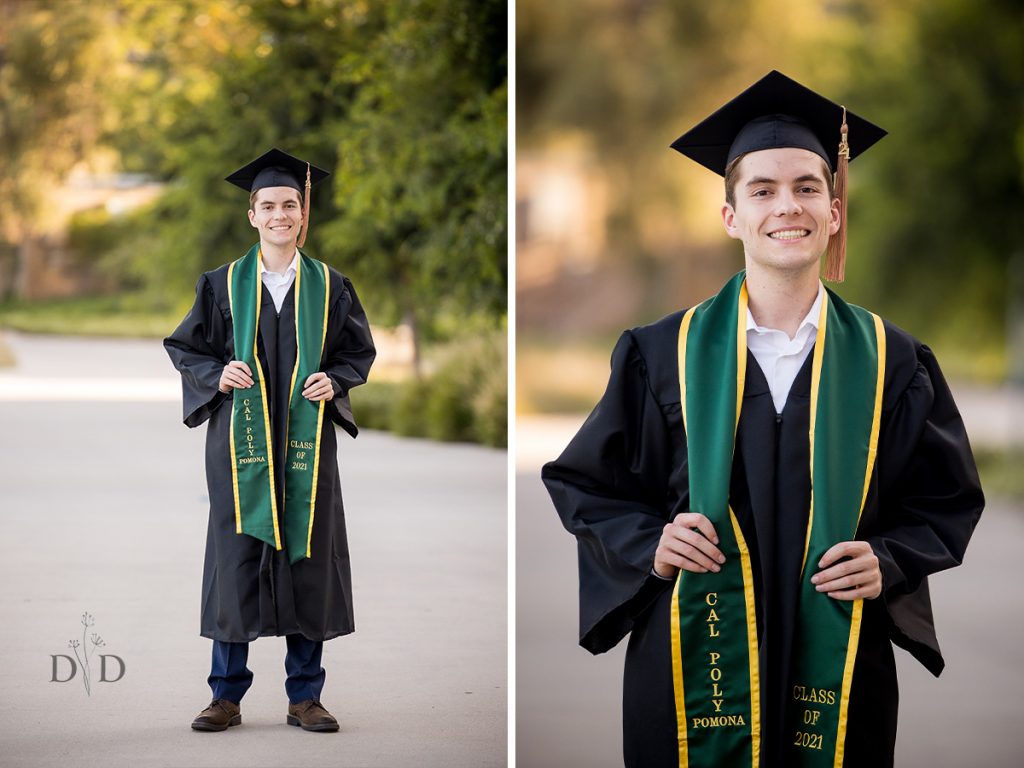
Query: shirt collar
[
  {"x": 810, "y": 319},
  {"x": 293, "y": 267}
]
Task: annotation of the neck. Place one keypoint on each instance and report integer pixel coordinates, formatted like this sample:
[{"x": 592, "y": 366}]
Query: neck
[
  {"x": 276, "y": 258},
  {"x": 780, "y": 300}
]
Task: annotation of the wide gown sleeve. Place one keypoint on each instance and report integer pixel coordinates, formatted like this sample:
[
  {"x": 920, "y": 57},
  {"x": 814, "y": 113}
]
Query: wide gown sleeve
[
  {"x": 198, "y": 349},
  {"x": 348, "y": 354},
  {"x": 931, "y": 498},
  {"x": 610, "y": 487}
]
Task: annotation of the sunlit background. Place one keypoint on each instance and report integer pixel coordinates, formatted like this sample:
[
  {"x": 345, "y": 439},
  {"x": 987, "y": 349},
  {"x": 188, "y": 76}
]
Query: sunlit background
[{"x": 614, "y": 230}]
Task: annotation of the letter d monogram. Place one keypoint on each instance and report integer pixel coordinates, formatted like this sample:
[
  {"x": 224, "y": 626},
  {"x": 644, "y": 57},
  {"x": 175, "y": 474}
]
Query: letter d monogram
[
  {"x": 103, "y": 667},
  {"x": 74, "y": 667}
]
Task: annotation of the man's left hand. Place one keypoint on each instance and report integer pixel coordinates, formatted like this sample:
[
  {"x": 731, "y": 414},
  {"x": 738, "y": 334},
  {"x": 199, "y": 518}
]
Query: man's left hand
[
  {"x": 318, "y": 387},
  {"x": 856, "y": 578}
]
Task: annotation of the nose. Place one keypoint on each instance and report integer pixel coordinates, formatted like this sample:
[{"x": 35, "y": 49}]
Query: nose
[{"x": 787, "y": 204}]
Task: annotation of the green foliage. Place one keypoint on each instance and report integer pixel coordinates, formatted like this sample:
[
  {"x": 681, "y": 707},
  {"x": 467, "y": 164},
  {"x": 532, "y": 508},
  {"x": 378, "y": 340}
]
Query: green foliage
[
  {"x": 935, "y": 216},
  {"x": 373, "y": 404},
  {"x": 422, "y": 157},
  {"x": 50, "y": 111},
  {"x": 1000, "y": 472},
  {"x": 409, "y": 418},
  {"x": 404, "y": 101},
  {"x": 464, "y": 400}
]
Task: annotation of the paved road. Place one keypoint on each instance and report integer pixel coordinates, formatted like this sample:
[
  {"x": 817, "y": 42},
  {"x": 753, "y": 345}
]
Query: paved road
[
  {"x": 568, "y": 702},
  {"x": 103, "y": 507}
]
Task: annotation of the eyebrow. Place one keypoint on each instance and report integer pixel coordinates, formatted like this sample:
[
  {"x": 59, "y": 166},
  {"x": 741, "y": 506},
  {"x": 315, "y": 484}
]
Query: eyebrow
[{"x": 765, "y": 180}]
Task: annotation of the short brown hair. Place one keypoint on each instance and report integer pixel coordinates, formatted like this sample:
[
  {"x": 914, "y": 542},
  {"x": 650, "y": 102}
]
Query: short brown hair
[{"x": 732, "y": 176}]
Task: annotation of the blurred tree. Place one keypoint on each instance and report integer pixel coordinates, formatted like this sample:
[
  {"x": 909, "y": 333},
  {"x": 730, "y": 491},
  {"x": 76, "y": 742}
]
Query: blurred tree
[
  {"x": 404, "y": 101},
  {"x": 938, "y": 218},
  {"x": 421, "y": 186},
  {"x": 51, "y": 114}
]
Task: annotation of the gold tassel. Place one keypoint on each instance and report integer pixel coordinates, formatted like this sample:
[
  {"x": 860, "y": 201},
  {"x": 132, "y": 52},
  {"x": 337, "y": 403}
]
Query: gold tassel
[
  {"x": 305, "y": 211},
  {"x": 835, "y": 259}
]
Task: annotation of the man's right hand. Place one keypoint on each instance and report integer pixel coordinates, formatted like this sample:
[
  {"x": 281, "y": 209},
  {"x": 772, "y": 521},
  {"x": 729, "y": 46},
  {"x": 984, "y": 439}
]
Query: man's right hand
[
  {"x": 688, "y": 542},
  {"x": 236, "y": 375}
]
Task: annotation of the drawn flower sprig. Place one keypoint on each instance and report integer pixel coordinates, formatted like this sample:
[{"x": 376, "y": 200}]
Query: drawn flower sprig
[{"x": 83, "y": 661}]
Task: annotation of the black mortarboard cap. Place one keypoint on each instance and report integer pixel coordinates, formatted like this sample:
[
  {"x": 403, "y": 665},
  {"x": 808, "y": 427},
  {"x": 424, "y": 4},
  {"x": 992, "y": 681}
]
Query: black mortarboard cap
[
  {"x": 775, "y": 112},
  {"x": 276, "y": 169}
]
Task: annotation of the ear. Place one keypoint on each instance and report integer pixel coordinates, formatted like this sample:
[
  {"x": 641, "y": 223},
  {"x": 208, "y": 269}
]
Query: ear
[
  {"x": 729, "y": 220},
  {"x": 835, "y": 218},
  {"x": 252, "y": 219}
]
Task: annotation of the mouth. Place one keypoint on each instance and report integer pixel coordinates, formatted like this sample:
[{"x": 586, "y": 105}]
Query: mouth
[
  {"x": 789, "y": 234},
  {"x": 280, "y": 227}
]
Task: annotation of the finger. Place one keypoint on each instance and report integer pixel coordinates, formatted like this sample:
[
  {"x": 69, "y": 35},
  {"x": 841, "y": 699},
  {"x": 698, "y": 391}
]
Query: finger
[
  {"x": 667, "y": 556},
  {"x": 698, "y": 521},
  {"x": 314, "y": 395},
  {"x": 841, "y": 550},
  {"x": 839, "y": 569},
  {"x": 837, "y": 585},
  {"x": 851, "y": 581},
  {"x": 865, "y": 592},
  {"x": 314, "y": 377},
  {"x": 240, "y": 373},
  {"x": 696, "y": 539},
  {"x": 691, "y": 553}
]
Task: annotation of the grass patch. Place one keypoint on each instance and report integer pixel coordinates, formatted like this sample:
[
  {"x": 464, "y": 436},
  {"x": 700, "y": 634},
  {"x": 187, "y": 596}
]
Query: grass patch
[
  {"x": 120, "y": 316},
  {"x": 1002, "y": 472}
]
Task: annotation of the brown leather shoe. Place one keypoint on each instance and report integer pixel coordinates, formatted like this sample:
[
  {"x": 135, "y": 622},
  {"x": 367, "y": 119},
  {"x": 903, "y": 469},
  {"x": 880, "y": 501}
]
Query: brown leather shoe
[
  {"x": 310, "y": 715},
  {"x": 218, "y": 716}
]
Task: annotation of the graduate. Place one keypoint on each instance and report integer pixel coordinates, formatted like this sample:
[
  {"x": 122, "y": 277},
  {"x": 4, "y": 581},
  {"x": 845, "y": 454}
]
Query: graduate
[
  {"x": 267, "y": 355},
  {"x": 769, "y": 478}
]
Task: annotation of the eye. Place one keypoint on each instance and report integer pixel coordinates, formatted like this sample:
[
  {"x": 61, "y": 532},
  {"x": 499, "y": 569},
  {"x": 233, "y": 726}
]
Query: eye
[
  {"x": 808, "y": 190},
  {"x": 760, "y": 193}
]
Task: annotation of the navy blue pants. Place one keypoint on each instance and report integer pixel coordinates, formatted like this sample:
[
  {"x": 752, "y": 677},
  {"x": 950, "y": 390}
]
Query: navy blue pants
[{"x": 230, "y": 678}]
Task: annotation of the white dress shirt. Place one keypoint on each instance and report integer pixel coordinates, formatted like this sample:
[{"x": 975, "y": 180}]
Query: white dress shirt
[
  {"x": 277, "y": 283},
  {"x": 779, "y": 356}
]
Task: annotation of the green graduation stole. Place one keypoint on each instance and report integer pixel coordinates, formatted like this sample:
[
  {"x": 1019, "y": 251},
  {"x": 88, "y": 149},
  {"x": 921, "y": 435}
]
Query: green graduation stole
[
  {"x": 714, "y": 634},
  {"x": 252, "y": 452}
]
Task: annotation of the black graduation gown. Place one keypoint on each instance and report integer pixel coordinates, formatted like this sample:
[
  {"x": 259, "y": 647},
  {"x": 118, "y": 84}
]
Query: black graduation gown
[
  {"x": 624, "y": 475},
  {"x": 249, "y": 589}
]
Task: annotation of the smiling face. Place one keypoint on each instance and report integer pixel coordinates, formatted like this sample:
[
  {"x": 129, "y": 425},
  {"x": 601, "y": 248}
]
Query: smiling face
[
  {"x": 783, "y": 211},
  {"x": 276, "y": 212}
]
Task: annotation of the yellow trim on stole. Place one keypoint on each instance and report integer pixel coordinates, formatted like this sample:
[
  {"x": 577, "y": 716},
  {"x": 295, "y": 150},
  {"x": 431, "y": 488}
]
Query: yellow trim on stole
[
  {"x": 858, "y": 605},
  {"x": 266, "y": 407},
  {"x": 234, "y": 457},
  {"x": 295, "y": 371},
  {"x": 298, "y": 353},
  {"x": 748, "y": 573},
  {"x": 320, "y": 412},
  {"x": 752, "y": 653},
  {"x": 741, "y": 354},
  {"x": 677, "y": 651},
  {"x": 819, "y": 352}
]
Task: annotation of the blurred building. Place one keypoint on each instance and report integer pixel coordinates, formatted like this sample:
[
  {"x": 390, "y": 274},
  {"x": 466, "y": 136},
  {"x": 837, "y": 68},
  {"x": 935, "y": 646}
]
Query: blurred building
[{"x": 45, "y": 266}]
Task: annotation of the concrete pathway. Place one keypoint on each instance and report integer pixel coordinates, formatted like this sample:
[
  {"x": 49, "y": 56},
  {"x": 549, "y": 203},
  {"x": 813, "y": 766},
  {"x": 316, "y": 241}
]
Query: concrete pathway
[
  {"x": 103, "y": 506},
  {"x": 568, "y": 703}
]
